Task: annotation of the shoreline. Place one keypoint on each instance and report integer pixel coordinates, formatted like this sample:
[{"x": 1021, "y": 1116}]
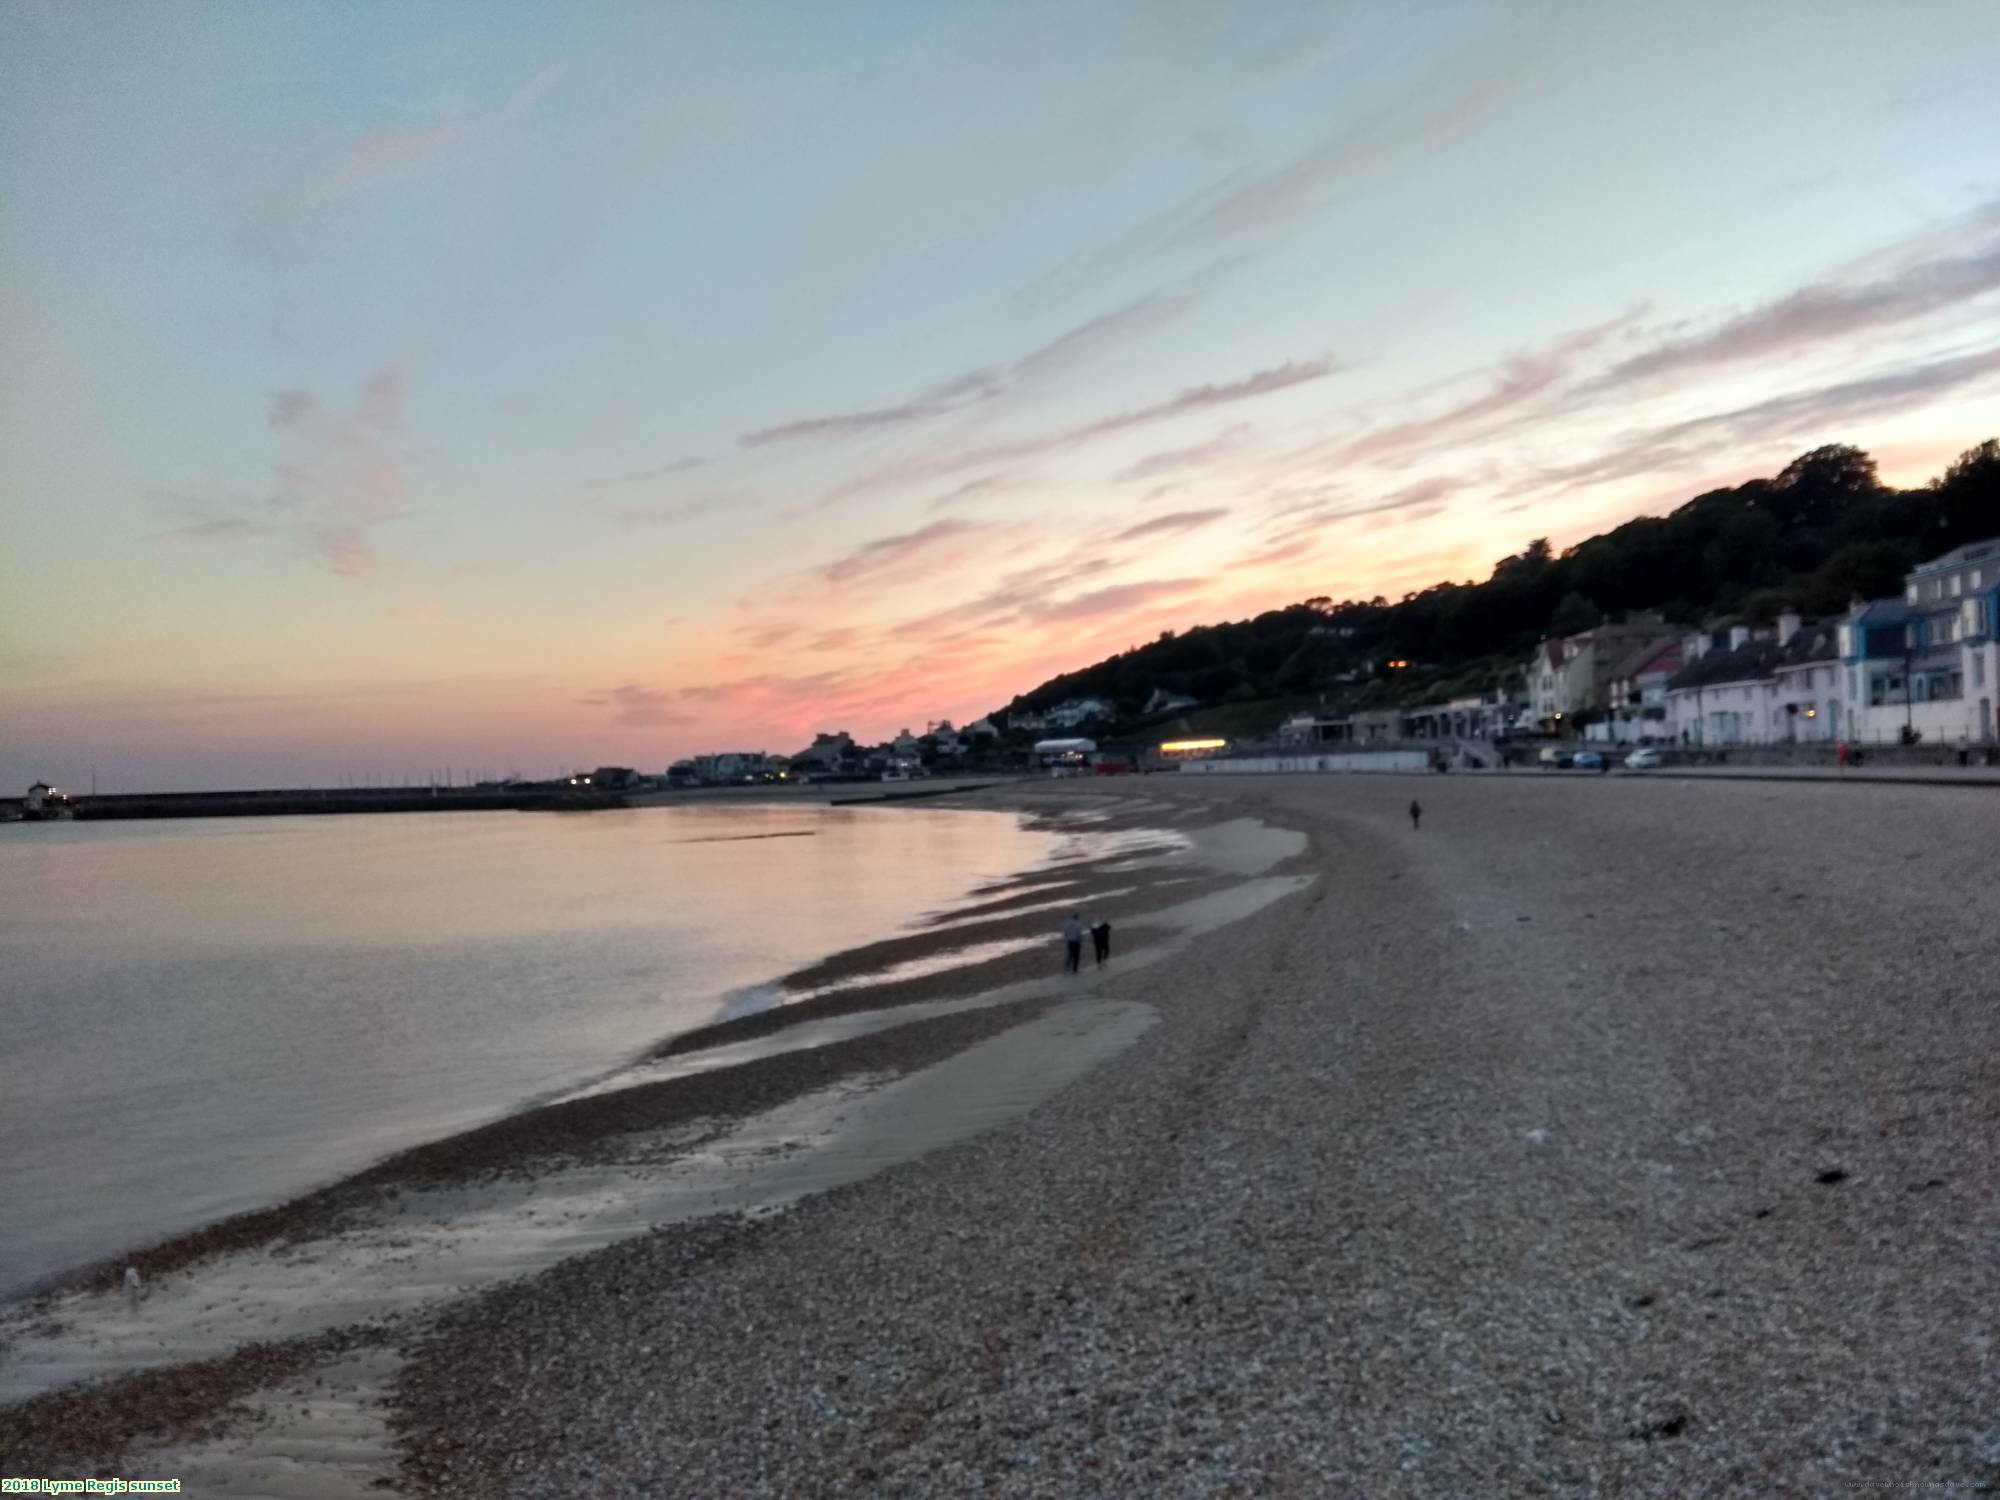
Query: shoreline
[
  {"x": 536, "y": 1134},
  {"x": 632, "y": 988},
  {"x": 887, "y": 1031}
]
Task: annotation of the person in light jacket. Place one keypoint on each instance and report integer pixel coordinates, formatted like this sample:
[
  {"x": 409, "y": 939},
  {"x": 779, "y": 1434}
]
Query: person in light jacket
[{"x": 1073, "y": 942}]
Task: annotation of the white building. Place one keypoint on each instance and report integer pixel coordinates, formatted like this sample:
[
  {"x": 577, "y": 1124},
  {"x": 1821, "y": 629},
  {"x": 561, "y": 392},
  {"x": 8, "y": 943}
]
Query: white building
[
  {"x": 1570, "y": 677},
  {"x": 1927, "y": 664},
  {"x": 1950, "y": 681},
  {"x": 1076, "y": 711},
  {"x": 1636, "y": 707},
  {"x": 1164, "y": 702},
  {"x": 1807, "y": 702},
  {"x": 1727, "y": 690},
  {"x": 1551, "y": 676},
  {"x": 728, "y": 766}
]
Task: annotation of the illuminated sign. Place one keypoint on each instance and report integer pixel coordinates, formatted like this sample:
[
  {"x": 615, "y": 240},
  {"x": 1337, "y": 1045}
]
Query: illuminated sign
[{"x": 1180, "y": 747}]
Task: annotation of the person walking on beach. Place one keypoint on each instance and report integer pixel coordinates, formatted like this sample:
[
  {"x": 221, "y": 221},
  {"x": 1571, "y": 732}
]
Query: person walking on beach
[
  {"x": 1100, "y": 939},
  {"x": 1073, "y": 942},
  {"x": 1416, "y": 814}
]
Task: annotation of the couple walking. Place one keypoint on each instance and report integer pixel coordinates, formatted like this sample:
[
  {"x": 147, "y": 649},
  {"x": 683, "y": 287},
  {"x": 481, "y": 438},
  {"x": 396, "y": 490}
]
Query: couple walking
[{"x": 1100, "y": 939}]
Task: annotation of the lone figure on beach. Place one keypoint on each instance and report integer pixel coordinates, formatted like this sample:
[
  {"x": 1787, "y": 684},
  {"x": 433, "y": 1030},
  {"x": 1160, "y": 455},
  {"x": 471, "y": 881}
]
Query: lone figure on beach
[
  {"x": 1100, "y": 939},
  {"x": 1073, "y": 941},
  {"x": 1416, "y": 814}
]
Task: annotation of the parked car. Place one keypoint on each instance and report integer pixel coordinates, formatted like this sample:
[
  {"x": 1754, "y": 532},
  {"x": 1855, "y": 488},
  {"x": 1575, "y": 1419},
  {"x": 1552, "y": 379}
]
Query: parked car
[
  {"x": 1555, "y": 758},
  {"x": 1645, "y": 758},
  {"x": 1586, "y": 760}
]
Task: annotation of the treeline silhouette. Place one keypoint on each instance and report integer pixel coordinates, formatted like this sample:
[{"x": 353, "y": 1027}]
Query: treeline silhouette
[{"x": 1819, "y": 534}]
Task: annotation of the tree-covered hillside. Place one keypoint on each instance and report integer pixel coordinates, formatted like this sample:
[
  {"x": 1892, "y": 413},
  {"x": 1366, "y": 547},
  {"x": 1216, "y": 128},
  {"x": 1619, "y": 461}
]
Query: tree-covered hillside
[{"x": 1822, "y": 532}]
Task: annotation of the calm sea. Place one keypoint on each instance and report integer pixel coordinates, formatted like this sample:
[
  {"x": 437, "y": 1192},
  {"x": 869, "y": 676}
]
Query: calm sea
[{"x": 206, "y": 1016}]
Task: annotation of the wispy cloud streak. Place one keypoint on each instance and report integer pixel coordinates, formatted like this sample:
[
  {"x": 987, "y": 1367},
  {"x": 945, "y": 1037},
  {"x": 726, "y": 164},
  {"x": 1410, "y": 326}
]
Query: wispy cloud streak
[
  {"x": 1086, "y": 341},
  {"x": 1828, "y": 312}
]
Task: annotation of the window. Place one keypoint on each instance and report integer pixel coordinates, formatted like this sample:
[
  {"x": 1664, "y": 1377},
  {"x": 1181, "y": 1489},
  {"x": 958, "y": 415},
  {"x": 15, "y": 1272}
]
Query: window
[
  {"x": 1979, "y": 669},
  {"x": 1956, "y": 582},
  {"x": 1911, "y": 593}
]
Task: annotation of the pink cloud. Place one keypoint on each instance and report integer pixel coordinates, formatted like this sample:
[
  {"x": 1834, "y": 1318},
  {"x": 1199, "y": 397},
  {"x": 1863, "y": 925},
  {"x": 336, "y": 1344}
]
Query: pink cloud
[
  {"x": 342, "y": 473},
  {"x": 894, "y": 556},
  {"x": 1115, "y": 599},
  {"x": 1189, "y": 399},
  {"x": 1177, "y": 521}
]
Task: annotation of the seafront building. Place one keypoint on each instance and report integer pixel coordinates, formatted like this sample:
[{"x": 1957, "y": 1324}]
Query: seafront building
[
  {"x": 1950, "y": 659},
  {"x": 1638, "y": 710},
  {"x": 1571, "y": 676},
  {"x": 1920, "y": 669},
  {"x": 1726, "y": 692},
  {"x": 1807, "y": 681}
]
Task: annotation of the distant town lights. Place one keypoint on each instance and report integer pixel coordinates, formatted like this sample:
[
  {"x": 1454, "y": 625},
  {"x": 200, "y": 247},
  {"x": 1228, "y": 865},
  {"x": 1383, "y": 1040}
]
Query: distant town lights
[{"x": 1173, "y": 747}]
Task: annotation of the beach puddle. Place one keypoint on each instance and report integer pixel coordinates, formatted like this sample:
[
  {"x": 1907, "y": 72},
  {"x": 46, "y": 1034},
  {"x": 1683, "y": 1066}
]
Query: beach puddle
[{"x": 321, "y": 1437}]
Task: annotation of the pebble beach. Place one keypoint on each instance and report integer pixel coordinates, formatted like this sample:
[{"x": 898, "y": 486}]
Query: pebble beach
[{"x": 1604, "y": 1137}]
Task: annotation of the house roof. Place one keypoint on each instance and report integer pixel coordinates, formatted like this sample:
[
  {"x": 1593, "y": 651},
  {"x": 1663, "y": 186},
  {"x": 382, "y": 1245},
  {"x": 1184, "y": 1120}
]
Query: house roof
[
  {"x": 1970, "y": 552},
  {"x": 1816, "y": 641},
  {"x": 1881, "y": 612},
  {"x": 1637, "y": 662},
  {"x": 1751, "y": 662}
]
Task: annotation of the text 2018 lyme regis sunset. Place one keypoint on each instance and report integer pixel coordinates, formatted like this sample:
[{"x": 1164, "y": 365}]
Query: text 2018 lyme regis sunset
[{"x": 596, "y": 601}]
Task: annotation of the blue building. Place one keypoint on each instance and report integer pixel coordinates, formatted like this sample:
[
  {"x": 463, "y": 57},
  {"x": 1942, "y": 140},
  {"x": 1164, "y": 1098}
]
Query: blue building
[{"x": 1927, "y": 664}]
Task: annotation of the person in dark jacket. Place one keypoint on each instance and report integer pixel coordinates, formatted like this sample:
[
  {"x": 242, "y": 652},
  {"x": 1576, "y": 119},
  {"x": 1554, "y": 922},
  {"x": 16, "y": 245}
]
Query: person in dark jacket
[
  {"x": 1416, "y": 813},
  {"x": 1100, "y": 939}
]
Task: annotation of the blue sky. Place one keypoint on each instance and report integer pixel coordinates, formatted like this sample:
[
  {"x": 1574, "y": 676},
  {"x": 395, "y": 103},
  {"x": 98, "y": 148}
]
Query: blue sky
[{"x": 393, "y": 387}]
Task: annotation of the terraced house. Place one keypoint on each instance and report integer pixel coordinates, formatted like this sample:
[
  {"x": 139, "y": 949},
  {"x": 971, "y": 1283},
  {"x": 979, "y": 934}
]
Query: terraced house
[
  {"x": 1751, "y": 685},
  {"x": 1727, "y": 692}
]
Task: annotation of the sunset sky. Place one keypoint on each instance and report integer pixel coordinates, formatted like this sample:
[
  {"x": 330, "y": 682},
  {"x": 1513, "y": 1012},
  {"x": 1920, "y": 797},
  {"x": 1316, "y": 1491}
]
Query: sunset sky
[{"x": 393, "y": 387}]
